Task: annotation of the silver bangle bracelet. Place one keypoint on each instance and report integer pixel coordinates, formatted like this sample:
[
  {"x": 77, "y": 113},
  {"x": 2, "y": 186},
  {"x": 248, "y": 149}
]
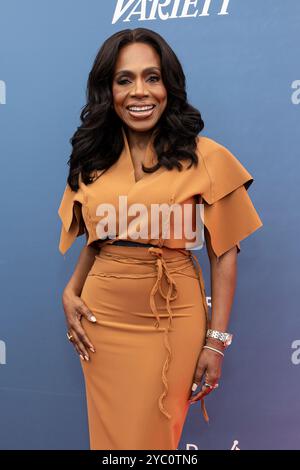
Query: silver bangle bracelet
[{"x": 213, "y": 349}]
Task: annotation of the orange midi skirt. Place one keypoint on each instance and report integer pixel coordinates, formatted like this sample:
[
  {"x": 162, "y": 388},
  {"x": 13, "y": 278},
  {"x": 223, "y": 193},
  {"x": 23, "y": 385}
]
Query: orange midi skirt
[{"x": 152, "y": 318}]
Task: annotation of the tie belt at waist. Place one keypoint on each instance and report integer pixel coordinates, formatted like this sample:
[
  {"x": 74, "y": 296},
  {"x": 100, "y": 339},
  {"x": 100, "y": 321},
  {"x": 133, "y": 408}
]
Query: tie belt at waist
[
  {"x": 162, "y": 269},
  {"x": 131, "y": 243}
]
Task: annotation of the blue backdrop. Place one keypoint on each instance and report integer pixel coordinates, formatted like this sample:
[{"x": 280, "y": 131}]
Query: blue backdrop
[{"x": 240, "y": 60}]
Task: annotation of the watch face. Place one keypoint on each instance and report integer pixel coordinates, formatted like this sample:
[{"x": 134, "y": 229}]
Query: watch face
[{"x": 228, "y": 340}]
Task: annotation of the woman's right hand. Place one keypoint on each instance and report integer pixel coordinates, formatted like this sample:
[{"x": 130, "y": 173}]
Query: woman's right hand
[{"x": 74, "y": 309}]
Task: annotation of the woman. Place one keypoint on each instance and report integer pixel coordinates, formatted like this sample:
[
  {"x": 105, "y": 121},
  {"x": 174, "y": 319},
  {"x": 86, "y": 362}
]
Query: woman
[{"x": 135, "y": 305}]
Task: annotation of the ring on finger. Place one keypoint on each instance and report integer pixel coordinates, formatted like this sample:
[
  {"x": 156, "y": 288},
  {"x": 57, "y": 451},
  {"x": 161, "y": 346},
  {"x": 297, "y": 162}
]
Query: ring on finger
[
  {"x": 212, "y": 387},
  {"x": 70, "y": 336}
]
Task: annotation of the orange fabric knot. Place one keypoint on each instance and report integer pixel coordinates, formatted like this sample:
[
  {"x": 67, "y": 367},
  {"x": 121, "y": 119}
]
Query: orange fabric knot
[{"x": 162, "y": 269}]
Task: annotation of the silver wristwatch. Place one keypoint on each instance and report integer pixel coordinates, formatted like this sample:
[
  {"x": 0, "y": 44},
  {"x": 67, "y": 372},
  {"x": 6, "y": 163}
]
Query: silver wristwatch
[{"x": 226, "y": 338}]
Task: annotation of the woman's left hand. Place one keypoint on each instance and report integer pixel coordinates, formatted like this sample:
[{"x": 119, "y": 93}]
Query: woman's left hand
[{"x": 209, "y": 366}]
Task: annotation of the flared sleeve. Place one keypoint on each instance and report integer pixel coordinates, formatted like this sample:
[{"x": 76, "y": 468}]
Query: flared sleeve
[
  {"x": 229, "y": 214},
  {"x": 70, "y": 214}
]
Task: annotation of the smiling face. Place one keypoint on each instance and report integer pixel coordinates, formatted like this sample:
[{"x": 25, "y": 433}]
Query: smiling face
[{"x": 139, "y": 95}]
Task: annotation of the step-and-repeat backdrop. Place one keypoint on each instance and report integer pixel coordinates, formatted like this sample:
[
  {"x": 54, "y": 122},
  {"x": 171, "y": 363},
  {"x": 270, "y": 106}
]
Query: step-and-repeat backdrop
[{"x": 241, "y": 62}]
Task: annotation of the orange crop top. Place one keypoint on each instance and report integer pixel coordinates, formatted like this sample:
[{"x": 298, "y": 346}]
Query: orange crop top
[{"x": 219, "y": 181}]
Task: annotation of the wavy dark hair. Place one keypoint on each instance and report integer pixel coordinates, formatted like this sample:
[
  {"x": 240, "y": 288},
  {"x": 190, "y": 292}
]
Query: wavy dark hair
[{"x": 98, "y": 141}]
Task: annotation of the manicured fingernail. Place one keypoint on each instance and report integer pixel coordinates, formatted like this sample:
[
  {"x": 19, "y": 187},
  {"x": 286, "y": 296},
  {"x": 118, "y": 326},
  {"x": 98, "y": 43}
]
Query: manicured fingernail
[
  {"x": 194, "y": 387},
  {"x": 87, "y": 358},
  {"x": 81, "y": 356},
  {"x": 93, "y": 319},
  {"x": 92, "y": 349}
]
